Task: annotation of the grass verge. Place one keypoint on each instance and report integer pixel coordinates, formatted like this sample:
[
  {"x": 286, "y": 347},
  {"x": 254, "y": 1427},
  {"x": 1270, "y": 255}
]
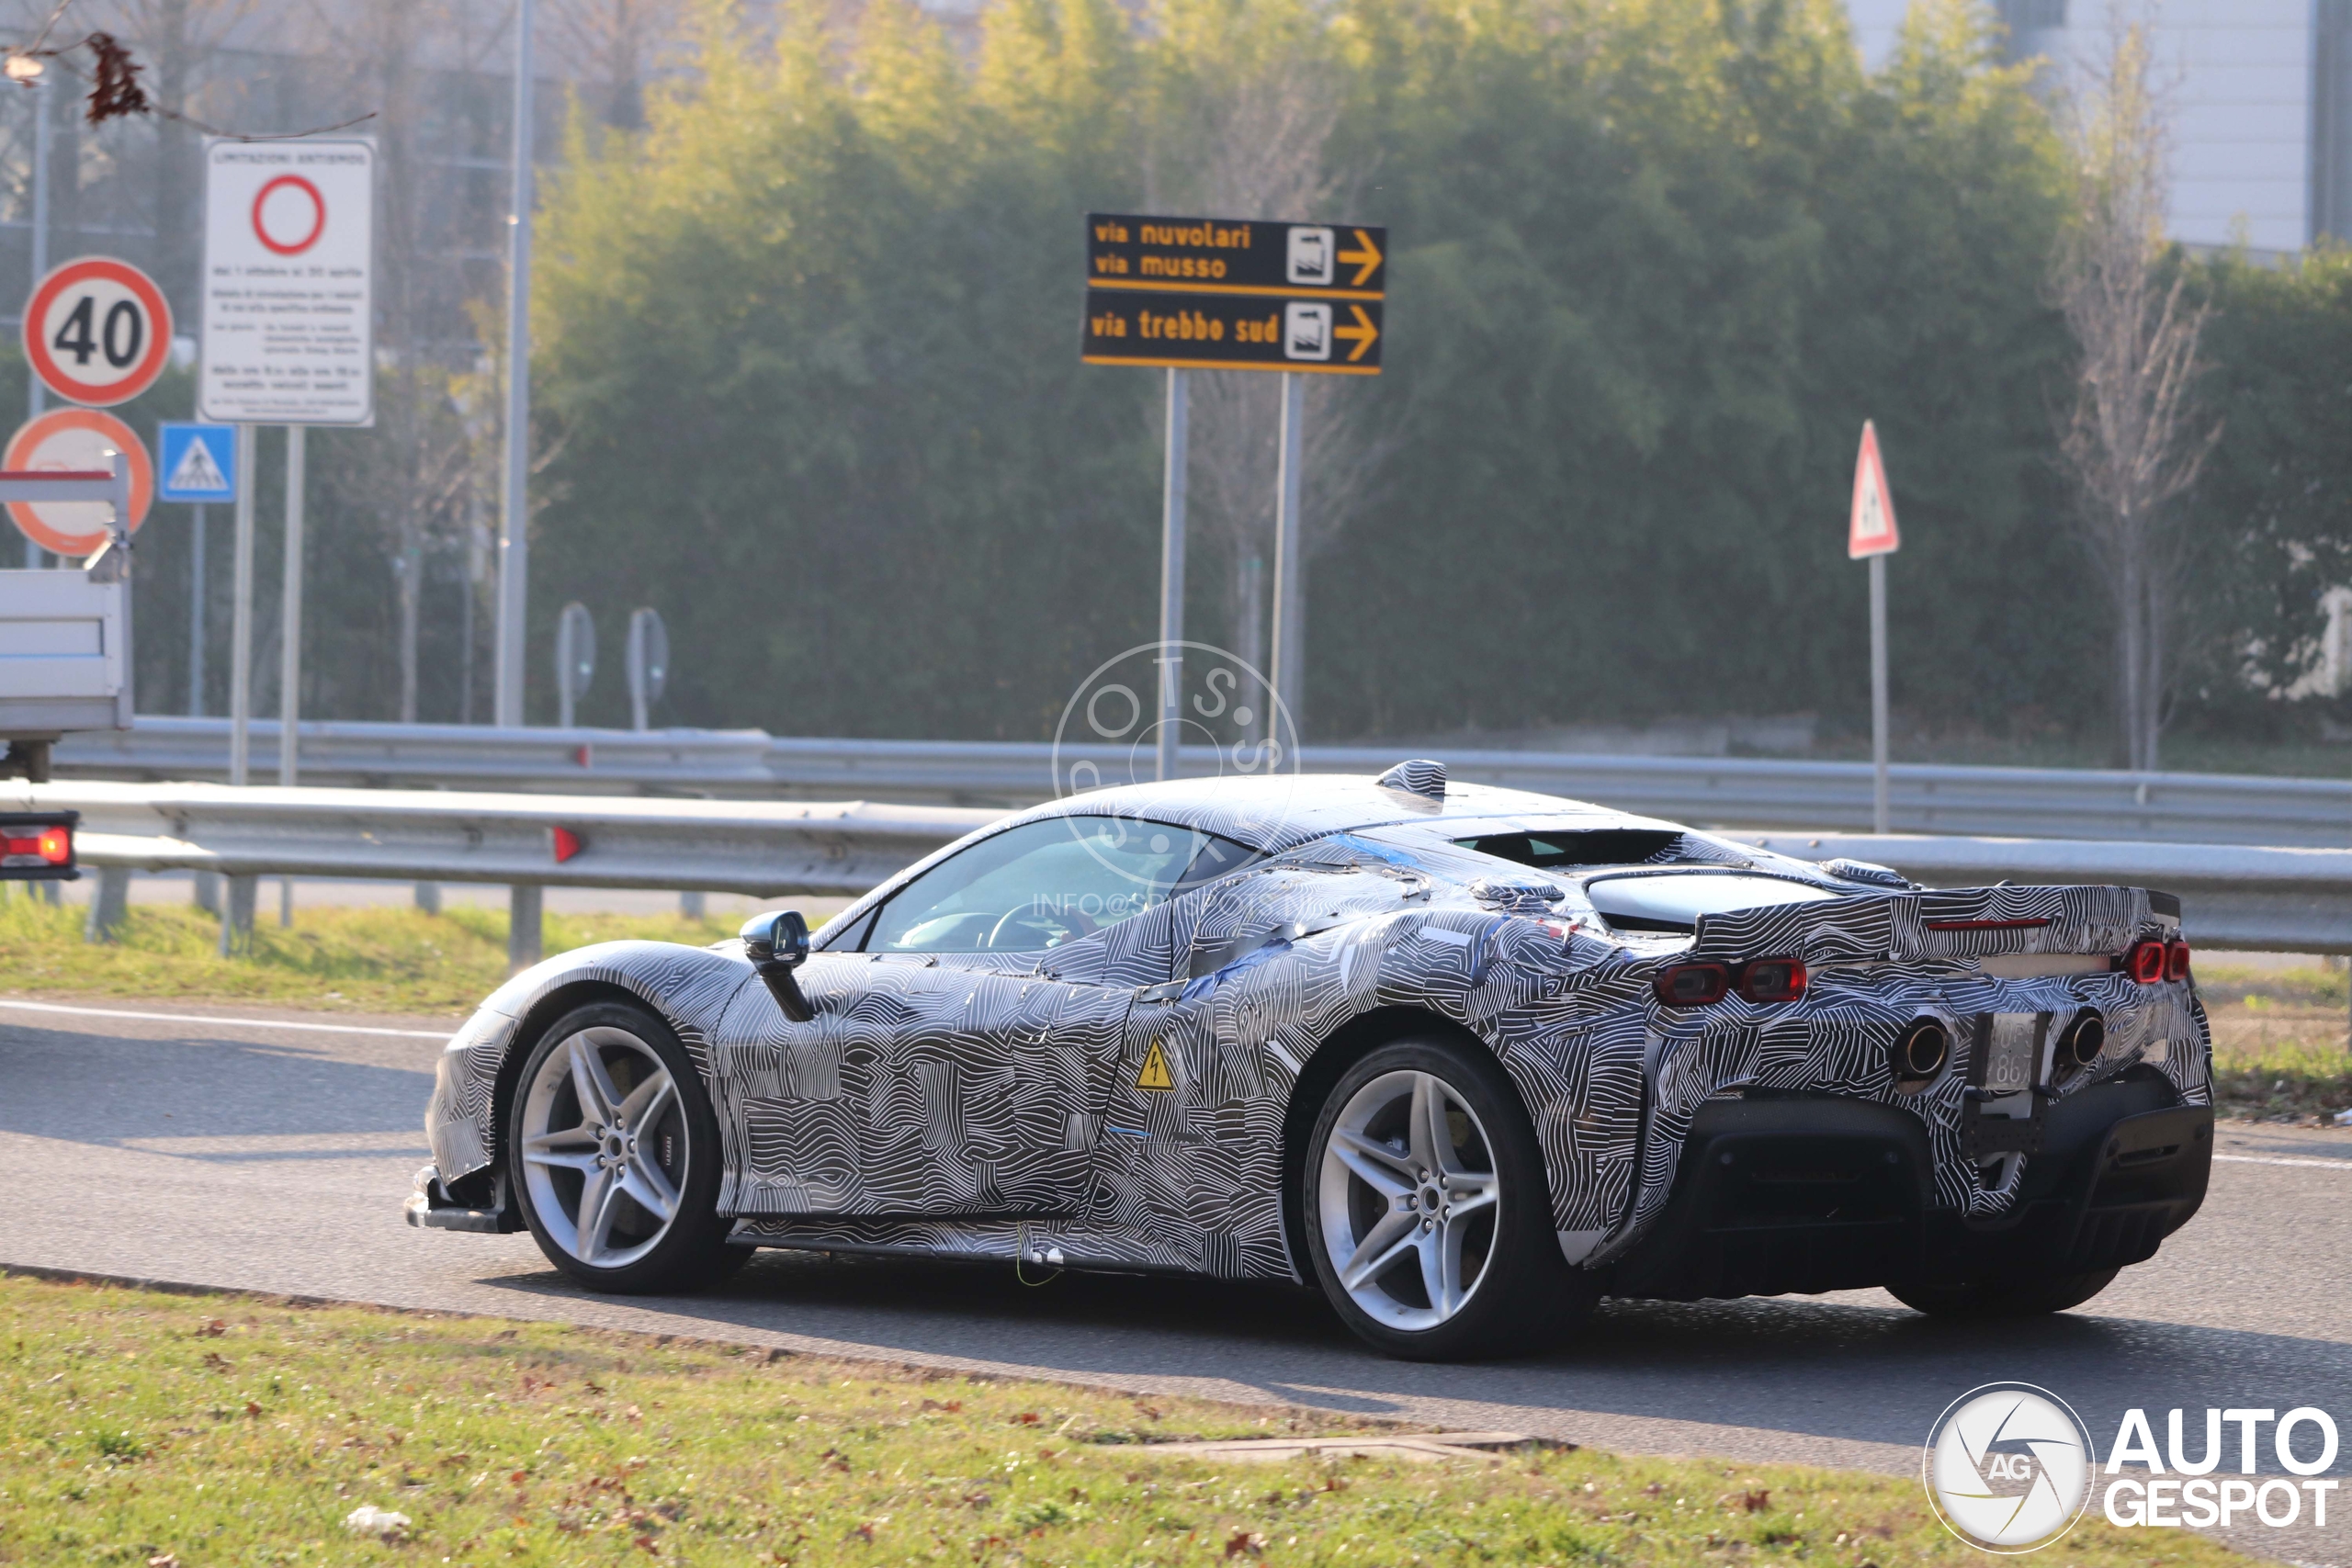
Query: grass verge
[
  {"x": 2279, "y": 1050},
  {"x": 372, "y": 959},
  {"x": 182, "y": 1431}
]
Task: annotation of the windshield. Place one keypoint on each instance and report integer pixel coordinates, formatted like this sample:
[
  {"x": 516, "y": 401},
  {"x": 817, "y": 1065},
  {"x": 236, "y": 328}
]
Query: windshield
[{"x": 1674, "y": 902}]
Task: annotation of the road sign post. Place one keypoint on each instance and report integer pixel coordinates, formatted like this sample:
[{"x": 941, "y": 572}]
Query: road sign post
[
  {"x": 241, "y": 618},
  {"x": 1290, "y": 599},
  {"x": 515, "y": 487},
  {"x": 289, "y": 300},
  {"x": 649, "y": 664},
  {"x": 194, "y": 465},
  {"x": 576, "y": 659},
  {"x": 1872, "y": 534},
  {"x": 1232, "y": 294},
  {"x": 1170, "y": 662}
]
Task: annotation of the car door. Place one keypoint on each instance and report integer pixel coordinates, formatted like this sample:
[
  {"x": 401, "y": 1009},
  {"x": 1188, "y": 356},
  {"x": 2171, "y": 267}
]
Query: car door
[{"x": 991, "y": 1007}]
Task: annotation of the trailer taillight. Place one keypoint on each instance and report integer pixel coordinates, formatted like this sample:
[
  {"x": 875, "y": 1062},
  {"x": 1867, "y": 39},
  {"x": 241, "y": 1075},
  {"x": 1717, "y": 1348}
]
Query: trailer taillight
[{"x": 38, "y": 846}]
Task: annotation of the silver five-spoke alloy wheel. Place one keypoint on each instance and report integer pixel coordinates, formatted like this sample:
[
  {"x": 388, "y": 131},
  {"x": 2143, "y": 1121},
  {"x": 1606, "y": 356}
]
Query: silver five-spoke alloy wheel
[
  {"x": 604, "y": 1133},
  {"x": 1407, "y": 1197}
]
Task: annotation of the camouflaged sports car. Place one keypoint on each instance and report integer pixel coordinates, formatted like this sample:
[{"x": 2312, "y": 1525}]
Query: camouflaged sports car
[{"x": 1467, "y": 1058}]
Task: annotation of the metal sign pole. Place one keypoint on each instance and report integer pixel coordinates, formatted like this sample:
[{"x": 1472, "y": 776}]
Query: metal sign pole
[
  {"x": 1172, "y": 578},
  {"x": 241, "y": 614},
  {"x": 1289, "y": 671},
  {"x": 514, "y": 514},
  {"x": 289, "y": 651},
  {"x": 34, "y": 398},
  {"x": 196, "y": 617},
  {"x": 1878, "y": 694}
]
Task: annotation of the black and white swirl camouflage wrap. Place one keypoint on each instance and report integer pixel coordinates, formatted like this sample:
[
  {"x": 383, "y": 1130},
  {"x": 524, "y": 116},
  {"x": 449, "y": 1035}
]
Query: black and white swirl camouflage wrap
[{"x": 989, "y": 1104}]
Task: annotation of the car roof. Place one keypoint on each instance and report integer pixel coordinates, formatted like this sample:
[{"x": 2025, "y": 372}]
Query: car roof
[{"x": 1273, "y": 814}]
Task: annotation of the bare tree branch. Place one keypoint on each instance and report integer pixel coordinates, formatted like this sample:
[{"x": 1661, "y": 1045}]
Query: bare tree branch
[{"x": 2133, "y": 439}]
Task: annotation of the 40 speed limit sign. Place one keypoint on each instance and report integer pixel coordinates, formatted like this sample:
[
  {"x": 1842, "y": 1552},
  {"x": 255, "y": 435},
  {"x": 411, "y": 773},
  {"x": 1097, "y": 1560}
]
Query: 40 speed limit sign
[{"x": 98, "y": 332}]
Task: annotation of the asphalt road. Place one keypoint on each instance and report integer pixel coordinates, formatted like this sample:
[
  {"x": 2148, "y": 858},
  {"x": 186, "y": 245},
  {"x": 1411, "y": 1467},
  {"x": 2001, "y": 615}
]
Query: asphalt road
[{"x": 265, "y": 1155}]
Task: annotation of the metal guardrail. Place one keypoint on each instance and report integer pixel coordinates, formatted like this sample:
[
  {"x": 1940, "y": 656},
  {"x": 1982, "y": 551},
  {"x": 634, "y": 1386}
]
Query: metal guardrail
[
  {"x": 2233, "y": 896},
  {"x": 2056, "y": 803},
  {"x": 764, "y": 848}
]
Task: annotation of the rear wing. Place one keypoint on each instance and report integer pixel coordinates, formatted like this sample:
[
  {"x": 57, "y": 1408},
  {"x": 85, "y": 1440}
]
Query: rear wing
[{"x": 1953, "y": 922}]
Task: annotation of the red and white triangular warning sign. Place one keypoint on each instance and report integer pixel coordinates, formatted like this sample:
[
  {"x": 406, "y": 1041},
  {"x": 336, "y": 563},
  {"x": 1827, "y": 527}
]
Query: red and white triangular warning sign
[{"x": 1871, "y": 530}]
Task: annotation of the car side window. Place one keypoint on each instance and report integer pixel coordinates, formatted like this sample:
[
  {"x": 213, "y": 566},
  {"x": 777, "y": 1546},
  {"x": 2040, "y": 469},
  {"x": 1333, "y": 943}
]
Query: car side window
[{"x": 1039, "y": 887}]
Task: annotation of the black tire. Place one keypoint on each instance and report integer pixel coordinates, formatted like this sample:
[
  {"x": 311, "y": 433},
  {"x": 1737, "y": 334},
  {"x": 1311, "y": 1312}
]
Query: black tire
[
  {"x": 680, "y": 1146},
  {"x": 2006, "y": 1298},
  {"x": 1518, "y": 1294}
]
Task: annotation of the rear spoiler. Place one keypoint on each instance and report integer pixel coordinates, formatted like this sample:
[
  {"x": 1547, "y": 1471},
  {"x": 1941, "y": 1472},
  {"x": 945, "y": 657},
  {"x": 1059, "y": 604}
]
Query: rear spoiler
[{"x": 1952, "y": 922}]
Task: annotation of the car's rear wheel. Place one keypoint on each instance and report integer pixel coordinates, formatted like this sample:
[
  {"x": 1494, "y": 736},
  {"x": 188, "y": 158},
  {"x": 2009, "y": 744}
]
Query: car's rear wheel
[
  {"x": 1426, "y": 1216},
  {"x": 2006, "y": 1298},
  {"x": 615, "y": 1153}
]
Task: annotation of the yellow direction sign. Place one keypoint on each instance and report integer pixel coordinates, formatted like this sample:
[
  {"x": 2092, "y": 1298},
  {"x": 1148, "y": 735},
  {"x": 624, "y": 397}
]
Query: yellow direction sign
[
  {"x": 1228, "y": 255},
  {"x": 1227, "y": 331},
  {"x": 1155, "y": 1074}
]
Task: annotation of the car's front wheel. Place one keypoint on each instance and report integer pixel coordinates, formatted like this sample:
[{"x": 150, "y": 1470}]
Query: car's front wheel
[
  {"x": 1426, "y": 1208},
  {"x": 615, "y": 1153}
]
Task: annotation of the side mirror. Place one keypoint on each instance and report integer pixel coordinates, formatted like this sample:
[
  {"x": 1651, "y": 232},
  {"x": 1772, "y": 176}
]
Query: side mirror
[{"x": 777, "y": 944}]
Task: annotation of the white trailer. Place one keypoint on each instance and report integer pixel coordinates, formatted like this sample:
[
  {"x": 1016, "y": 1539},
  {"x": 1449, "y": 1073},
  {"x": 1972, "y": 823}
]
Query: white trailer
[{"x": 65, "y": 635}]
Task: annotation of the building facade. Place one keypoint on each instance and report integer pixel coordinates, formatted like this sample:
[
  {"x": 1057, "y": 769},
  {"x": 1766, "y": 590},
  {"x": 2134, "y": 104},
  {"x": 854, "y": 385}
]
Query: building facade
[{"x": 2262, "y": 103}]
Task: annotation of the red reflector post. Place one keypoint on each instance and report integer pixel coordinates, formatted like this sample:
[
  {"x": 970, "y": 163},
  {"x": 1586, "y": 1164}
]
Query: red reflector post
[
  {"x": 2145, "y": 963},
  {"x": 2175, "y": 960},
  {"x": 1692, "y": 985},
  {"x": 567, "y": 844},
  {"x": 1772, "y": 979}
]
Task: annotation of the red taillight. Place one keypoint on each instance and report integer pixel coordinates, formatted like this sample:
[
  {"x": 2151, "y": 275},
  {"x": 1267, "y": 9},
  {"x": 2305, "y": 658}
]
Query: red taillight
[
  {"x": 1772, "y": 979},
  {"x": 2145, "y": 963},
  {"x": 2175, "y": 960},
  {"x": 55, "y": 845},
  {"x": 1692, "y": 985}
]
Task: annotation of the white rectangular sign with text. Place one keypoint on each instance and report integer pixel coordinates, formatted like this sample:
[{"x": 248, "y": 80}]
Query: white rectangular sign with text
[{"x": 290, "y": 251}]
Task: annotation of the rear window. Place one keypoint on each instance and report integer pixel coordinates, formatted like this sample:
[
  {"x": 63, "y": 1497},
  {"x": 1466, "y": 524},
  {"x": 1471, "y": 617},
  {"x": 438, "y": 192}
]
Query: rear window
[
  {"x": 1598, "y": 846},
  {"x": 1674, "y": 902}
]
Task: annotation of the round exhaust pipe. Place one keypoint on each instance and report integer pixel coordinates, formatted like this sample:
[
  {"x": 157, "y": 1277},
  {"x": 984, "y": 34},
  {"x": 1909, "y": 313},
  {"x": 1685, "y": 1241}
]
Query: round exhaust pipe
[
  {"x": 2081, "y": 1044},
  {"x": 1919, "y": 1054}
]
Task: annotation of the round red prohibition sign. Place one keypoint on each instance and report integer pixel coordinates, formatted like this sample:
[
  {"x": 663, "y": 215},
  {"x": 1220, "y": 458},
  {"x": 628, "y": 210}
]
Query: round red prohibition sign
[
  {"x": 75, "y": 441},
  {"x": 98, "y": 332},
  {"x": 275, "y": 221}
]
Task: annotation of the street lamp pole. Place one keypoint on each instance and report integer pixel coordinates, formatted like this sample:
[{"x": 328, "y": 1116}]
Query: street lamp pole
[{"x": 515, "y": 512}]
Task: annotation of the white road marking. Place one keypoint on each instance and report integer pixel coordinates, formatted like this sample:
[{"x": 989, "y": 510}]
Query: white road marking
[
  {"x": 2266, "y": 1159},
  {"x": 231, "y": 1022}
]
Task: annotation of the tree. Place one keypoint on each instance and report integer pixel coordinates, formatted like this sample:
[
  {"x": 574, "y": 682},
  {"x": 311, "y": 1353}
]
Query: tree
[{"x": 2133, "y": 439}]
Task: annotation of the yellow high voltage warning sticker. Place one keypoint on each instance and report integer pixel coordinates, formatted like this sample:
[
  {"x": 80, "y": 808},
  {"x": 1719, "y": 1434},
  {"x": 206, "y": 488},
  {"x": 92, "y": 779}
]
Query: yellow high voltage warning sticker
[{"x": 1155, "y": 1074}]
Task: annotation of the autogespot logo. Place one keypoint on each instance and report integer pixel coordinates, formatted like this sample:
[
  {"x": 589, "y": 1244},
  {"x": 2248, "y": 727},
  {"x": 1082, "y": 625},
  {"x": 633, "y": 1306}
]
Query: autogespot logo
[{"x": 2008, "y": 1467}]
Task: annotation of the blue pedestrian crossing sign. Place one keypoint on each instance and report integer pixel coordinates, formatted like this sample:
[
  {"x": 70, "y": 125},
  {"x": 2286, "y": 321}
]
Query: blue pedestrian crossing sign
[{"x": 197, "y": 462}]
